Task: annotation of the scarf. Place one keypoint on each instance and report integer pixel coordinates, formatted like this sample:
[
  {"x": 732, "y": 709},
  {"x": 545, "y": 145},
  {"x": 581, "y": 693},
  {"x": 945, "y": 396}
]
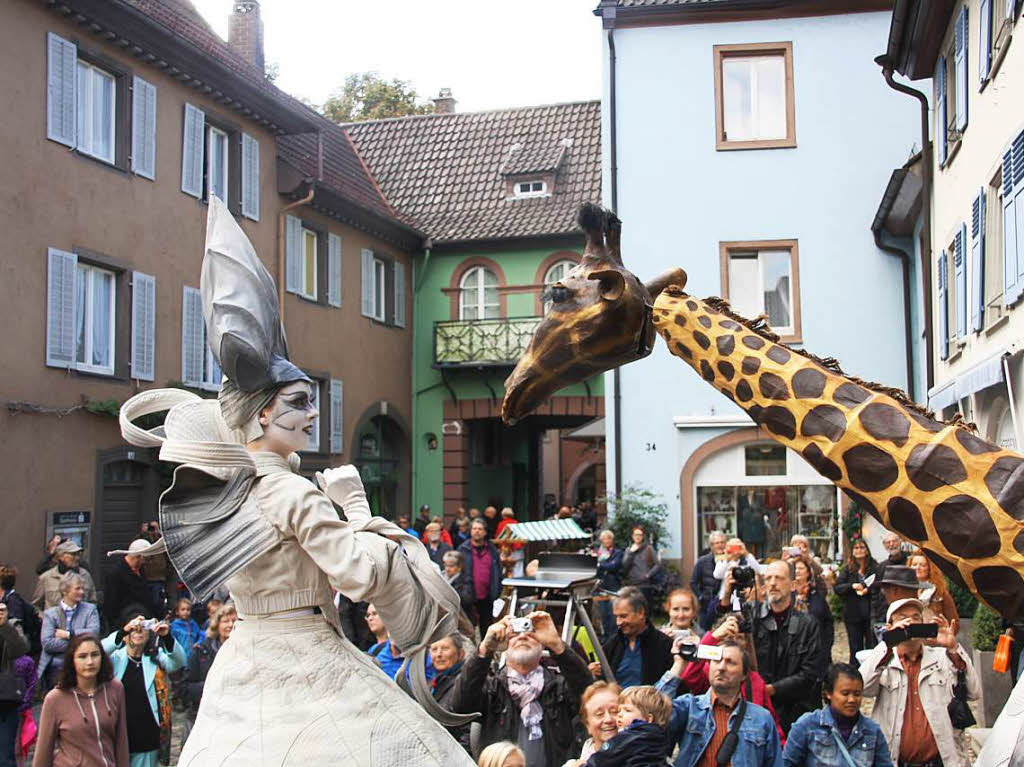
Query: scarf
[
  {"x": 453, "y": 671},
  {"x": 525, "y": 689}
]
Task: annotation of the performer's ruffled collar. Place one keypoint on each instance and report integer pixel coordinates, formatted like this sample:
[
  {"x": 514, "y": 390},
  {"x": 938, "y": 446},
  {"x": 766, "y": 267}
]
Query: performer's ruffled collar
[{"x": 271, "y": 463}]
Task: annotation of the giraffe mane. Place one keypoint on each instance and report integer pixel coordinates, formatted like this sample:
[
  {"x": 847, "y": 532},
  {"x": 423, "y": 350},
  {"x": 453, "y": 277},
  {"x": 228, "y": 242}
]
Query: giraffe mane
[{"x": 760, "y": 326}]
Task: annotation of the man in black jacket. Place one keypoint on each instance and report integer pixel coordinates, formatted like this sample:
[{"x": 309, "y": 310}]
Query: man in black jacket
[
  {"x": 638, "y": 653},
  {"x": 126, "y": 585},
  {"x": 524, "y": 702},
  {"x": 703, "y": 582}
]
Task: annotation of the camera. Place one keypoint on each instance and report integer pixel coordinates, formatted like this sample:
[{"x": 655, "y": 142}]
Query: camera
[
  {"x": 693, "y": 652},
  {"x": 149, "y": 624},
  {"x": 744, "y": 577},
  {"x": 522, "y": 625},
  {"x": 746, "y": 622},
  {"x": 894, "y": 637}
]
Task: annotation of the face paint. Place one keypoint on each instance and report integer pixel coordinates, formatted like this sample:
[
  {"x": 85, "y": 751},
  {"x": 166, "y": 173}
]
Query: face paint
[{"x": 289, "y": 419}]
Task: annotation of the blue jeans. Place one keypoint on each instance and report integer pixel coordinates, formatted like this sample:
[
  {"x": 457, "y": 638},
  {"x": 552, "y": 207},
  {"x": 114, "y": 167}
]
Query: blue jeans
[
  {"x": 8, "y": 734},
  {"x": 607, "y": 618}
]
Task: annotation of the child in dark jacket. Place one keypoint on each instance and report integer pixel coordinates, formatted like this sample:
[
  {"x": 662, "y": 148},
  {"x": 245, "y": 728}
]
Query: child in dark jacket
[{"x": 641, "y": 740}]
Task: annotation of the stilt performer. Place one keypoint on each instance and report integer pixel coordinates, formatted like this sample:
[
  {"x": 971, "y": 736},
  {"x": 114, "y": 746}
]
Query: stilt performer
[{"x": 288, "y": 688}]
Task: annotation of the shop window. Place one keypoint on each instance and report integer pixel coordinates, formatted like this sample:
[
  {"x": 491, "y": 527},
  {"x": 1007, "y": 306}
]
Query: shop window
[{"x": 764, "y": 460}]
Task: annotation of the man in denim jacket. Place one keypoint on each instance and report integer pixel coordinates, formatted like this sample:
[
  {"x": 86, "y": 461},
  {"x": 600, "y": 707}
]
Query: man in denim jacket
[{"x": 700, "y": 723}]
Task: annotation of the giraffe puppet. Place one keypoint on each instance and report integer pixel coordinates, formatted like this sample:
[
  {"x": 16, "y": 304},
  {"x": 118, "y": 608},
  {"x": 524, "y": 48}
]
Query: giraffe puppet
[{"x": 958, "y": 497}]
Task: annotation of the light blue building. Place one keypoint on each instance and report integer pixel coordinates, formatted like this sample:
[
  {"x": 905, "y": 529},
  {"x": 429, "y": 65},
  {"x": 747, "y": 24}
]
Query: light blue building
[{"x": 749, "y": 143}]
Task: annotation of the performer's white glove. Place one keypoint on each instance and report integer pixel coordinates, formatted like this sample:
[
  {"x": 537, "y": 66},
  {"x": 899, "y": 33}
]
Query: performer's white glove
[{"x": 344, "y": 486}]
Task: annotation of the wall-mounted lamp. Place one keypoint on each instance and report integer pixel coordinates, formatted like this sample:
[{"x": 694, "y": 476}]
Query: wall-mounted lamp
[{"x": 431, "y": 440}]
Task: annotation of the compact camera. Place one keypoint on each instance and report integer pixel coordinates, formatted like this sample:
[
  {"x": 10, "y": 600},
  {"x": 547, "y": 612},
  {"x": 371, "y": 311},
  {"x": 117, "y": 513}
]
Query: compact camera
[
  {"x": 149, "y": 624},
  {"x": 522, "y": 625}
]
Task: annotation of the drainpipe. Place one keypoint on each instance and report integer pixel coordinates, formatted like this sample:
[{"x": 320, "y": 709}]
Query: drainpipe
[
  {"x": 280, "y": 246},
  {"x": 417, "y": 281},
  {"x": 608, "y": 15},
  {"x": 926, "y": 214},
  {"x": 904, "y": 258}
]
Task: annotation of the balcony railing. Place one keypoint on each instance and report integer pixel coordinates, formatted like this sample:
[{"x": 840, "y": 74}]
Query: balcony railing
[{"x": 477, "y": 343}]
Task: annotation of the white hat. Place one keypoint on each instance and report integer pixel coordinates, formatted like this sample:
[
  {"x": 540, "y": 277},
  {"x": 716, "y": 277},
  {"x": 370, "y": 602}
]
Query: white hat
[
  {"x": 902, "y": 603},
  {"x": 138, "y": 546}
]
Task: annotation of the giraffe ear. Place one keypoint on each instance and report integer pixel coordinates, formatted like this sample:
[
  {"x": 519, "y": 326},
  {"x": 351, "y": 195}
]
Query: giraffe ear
[{"x": 613, "y": 284}]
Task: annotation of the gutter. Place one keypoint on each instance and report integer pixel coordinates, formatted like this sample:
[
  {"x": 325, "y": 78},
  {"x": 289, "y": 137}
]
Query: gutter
[
  {"x": 904, "y": 258},
  {"x": 926, "y": 213}
]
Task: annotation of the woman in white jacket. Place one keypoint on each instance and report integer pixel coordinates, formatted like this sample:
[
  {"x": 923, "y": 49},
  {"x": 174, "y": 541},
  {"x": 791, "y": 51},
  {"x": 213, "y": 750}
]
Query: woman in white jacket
[{"x": 287, "y": 688}]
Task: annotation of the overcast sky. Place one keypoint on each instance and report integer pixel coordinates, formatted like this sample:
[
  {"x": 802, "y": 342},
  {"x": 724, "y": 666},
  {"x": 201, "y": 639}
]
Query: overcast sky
[{"x": 491, "y": 54}]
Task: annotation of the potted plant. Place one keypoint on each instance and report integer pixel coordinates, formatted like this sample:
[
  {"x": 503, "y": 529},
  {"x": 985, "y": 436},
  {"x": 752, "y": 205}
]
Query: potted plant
[{"x": 995, "y": 686}]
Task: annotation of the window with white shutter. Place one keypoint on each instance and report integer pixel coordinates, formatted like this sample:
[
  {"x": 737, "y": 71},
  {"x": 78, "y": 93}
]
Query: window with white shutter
[
  {"x": 399, "y": 294},
  {"x": 96, "y": 106},
  {"x": 60, "y": 308},
  {"x": 334, "y": 270},
  {"x": 143, "y": 326},
  {"x": 250, "y": 177},
  {"x": 143, "y": 128},
  {"x": 978, "y": 262},
  {"x": 95, "y": 301},
  {"x": 313, "y": 439},
  {"x": 337, "y": 416},
  {"x": 368, "y": 283},
  {"x": 292, "y": 254},
  {"x": 218, "y": 164},
  {"x": 61, "y": 90},
  {"x": 960, "y": 270},
  {"x": 308, "y": 271},
  {"x": 193, "y": 338},
  {"x": 960, "y": 52},
  {"x": 193, "y": 138}
]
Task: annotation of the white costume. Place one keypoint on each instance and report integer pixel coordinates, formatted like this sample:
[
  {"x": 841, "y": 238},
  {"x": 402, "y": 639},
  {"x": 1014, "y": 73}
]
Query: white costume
[{"x": 287, "y": 688}]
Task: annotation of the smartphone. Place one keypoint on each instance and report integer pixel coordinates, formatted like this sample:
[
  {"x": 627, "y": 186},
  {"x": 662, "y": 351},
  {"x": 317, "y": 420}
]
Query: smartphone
[
  {"x": 913, "y": 631},
  {"x": 709, "y": 652},
  {"x": 791, "y": 551},
  {"x": 681, "y": 634}
]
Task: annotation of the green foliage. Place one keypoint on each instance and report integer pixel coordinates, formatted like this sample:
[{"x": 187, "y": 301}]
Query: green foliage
[
  {"x": 835, "y": 604},
  {"x": 637, "y": 506},
  {"x": 109, "y": 407},
  {"x": 965, "y": 602},
  {"x": 367, "y": 96},
  {"x": 852, "y": 522},
  {"x": 986, "y": 629}
]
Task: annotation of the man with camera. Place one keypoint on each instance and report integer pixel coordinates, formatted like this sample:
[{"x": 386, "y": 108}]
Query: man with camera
[
  {"x": 912, "y": 674},
  {"x": 787, "y": 641},
  {"x": 638, "y": 652},
  {"x": 721, "y": 727},
  {"x": 524, "y": 702},
  {"x": 703, "y": 582}
]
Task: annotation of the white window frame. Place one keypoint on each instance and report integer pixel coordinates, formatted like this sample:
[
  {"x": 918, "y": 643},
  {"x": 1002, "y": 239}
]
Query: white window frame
[
  {"x": 313, "y": 441},
  {"x": 85, "y": 109},
  {"x": 89, "y": 272},
  {"x": 757, "y": 253},
  {"x": 212, "y": 133},
  {"x": 566, "y": 264},
  {"x": 304, "y": 265},
  {"x": 380, "y": 297},
  {"x": 477, "y": 273},
  {"x": 535, "y": 188}
]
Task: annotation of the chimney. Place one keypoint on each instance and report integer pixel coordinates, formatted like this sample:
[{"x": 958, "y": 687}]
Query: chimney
[
  {"x": 245, "y": 32},
  {"x": 444, "y": 104}
]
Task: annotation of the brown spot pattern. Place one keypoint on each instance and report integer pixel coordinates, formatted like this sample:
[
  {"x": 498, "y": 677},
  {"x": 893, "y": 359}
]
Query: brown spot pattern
[
  {"x": 870, "y": 468},
  {"x": 1003, "y": 589},
  {"x": 931, "y": 466},
  {"x": 850, "y": 395},
  {"x": 949, "y": 569},
  {"x": 884, "y": 422},
  {"x": 826, "y": 468},
  {"x": 706, "y": 372},
  {"x": 753, "y": 342},
  {"x": 1018, "y": 542},
  {"x": 1005, "y": 480},
  {"x": 808, "y": 383},
  {"x": 730, "y": 325},
  {"x": 680, "y": 320},
  {"x": 905, "y": 519},
  {"x": 684, "y": 350},
  {"x": 772, "y": 386},
  {"x": 705, "y": 321},
  {"x": 743, "y": 391},
  {"x": 702, "y": 340},
  {"x": 726, "y": 369},
  {"x": 778, "y": 354},
  {"x": 864, "y": 503},
  {"x": 780, "y": 420},
  {"x": 725, "y": 345},
  {"x": 965, "y": 527},
  {"x": 929, "y": 424},
  {"x": 824, "y": 421},
  {"x": 974, "y": 445},
  {"x": 691, "y": 305},
  {"x": 750, "y": 365}
]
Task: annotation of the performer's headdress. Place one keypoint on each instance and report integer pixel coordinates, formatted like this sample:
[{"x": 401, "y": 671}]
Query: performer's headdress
[{"x": 243, "y": 323}]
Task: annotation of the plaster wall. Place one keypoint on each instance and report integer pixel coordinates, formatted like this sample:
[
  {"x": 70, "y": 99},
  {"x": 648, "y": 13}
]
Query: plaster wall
[{"x": 679, "y": 198}]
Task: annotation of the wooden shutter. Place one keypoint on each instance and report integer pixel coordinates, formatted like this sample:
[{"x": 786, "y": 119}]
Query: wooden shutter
[
  {"x": 943, "y": 310},
  {"x": 337, "y": 413},
  {"x": 334, "y": 270},
  {"x": 1018, "y": 207},
  {"x": 143, "y": 326},
  {"x": 940, "y": 109},
  {"x": 61, "y": 89},
  {"x": 368, "y": 282},
  {"x": 250, "y": 177},
  {"x": 978, "y": 262},
  {"x": 292, "y": 254},
  {"x": 399, "y": 294},
  {"x": 960, "y": 54},
  {"x": 1009, "y": 231},
  {"x": 193, "y": 342},
  {"x": 960, "y": 272},
  {"x": 193, "y": 142},
  {"x": 61, "y": 273},
  {"x": 143, "y": 128},
  {"x": 984, "y": 40}
]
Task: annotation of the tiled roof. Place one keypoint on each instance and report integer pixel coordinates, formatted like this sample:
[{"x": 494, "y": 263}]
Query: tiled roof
[
  {"x": 444, "y": 173},
  {"x": 639, "y": 3}
]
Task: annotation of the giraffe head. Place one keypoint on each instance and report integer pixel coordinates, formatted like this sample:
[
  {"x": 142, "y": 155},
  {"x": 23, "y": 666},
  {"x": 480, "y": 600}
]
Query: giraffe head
[{"x": 600, "y": 318}]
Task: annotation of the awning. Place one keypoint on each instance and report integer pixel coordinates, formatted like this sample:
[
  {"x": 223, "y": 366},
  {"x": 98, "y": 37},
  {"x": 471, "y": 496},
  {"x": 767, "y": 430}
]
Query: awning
[
  {"x": 588, "y": 431},
  {"x": 976, "y": 378},
  {"x": 547, "y": 530}
]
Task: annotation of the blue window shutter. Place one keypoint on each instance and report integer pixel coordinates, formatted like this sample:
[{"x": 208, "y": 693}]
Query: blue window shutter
[
  {"x": 143, "y": 326},
  {"x": 368, "y": 283},
  {"x": 984, "y": 40},
  {"x": 1018, "y": 205},
  {"x": 960, "y": 268},
  {"x": 143, "y": 128},
  {"x": 940, "y": 109},
  {"x": 61, "y": 89},
  {"x": 250, "y": 177},
  {"x": 978, "y": 262},
  {"x": 334, "y": 270},
  {"x": 192, "y": 144},
  {"x": 61, "y": 272},
  {"x": 1009, "y": 231},
  {"x": 943, "y": 310},
  {"x": 337, "y": 415},
  {"x": 399, "y": 294},
  {"x": 960, "y": 48},
  {"x": 292, "y": 254},
  {"x": 193, "y": 337}
]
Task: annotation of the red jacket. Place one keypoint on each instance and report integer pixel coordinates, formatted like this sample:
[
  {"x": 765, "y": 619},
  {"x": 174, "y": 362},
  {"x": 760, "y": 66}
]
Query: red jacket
[{"x": 695, "y": 679}]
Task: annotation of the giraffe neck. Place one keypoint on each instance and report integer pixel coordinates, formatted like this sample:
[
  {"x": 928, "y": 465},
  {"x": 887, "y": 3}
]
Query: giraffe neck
[{"x": 959, "y": 498}]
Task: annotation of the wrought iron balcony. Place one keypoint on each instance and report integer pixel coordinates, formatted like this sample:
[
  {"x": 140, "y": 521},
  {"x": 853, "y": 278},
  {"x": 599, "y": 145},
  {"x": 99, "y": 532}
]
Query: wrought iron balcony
[{"x": 479, "y": 343}]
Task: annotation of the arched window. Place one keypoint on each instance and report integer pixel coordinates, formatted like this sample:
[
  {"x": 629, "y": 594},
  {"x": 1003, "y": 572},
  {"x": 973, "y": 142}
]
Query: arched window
[
  {"x": 555, "y": 273},
  {"x": 478, "y": 295}
]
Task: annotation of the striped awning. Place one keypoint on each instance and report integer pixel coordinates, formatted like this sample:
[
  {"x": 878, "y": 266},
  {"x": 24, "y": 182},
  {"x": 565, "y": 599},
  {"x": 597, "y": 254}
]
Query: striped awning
[{"x": 547, "y": 530}]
